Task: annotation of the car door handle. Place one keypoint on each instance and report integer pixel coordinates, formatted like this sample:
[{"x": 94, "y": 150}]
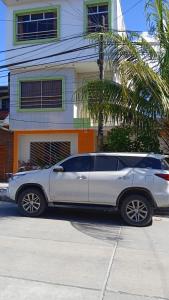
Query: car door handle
[{"x": 82, "y": 177}]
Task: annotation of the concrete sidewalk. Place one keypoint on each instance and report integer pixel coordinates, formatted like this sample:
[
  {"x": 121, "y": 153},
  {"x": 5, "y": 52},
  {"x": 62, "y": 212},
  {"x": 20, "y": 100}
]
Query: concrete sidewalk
[{"x": 77, "y": 255}]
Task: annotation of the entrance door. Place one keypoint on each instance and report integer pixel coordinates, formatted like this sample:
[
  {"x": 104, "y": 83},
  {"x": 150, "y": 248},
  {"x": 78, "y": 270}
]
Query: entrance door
[{"x": 71, "y": 185}]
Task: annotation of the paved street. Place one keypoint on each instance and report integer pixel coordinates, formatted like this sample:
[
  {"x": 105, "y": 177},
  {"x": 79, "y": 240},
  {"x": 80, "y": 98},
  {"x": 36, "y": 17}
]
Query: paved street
[{"x": 74, "y": 255}]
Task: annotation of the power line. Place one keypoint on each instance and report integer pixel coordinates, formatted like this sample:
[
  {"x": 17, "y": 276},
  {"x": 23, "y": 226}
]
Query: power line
[
  {"x": 67, "y": 52},
  {"x": 39, "y": 44},
  {"x": 131, "y": 8},
  {"x": 71, "y": 60},
  {"x": 43, "y": 47},
  {"x": 49, "y": 56}
]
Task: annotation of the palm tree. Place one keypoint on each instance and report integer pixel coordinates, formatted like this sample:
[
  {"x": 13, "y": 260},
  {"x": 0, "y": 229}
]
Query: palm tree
[{"x": 142, "y": 97}]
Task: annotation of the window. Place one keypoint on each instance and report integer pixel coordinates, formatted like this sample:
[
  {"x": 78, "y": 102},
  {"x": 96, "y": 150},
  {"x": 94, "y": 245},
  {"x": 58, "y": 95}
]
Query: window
[
  {"x": 41, "y": 94},
  {"x": 78, "y": 164},
  {"x": 36, "y": 25},
  {"x": 139, "y": 162},
  {"x": 5, "y": 105},
  {"x": 97, "y": 15},
  {"x": 105, "y": 163},
  {"x": 48, "y": 153}
]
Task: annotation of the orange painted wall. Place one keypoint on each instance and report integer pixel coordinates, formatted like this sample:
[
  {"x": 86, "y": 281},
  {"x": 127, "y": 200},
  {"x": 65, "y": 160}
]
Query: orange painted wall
[{"x": 86, "y": 140}]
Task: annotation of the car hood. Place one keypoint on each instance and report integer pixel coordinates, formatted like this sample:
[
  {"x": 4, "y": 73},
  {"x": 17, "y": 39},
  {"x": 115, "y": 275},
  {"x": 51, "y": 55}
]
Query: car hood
[{"x": 27, "y": 172}]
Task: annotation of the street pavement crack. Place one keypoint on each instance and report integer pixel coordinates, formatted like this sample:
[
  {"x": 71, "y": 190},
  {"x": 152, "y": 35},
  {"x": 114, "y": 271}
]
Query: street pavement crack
[
  {"x": 48, "y": 282},
  {"x": 54, "y": 241},
  {"x": 103, "y": 290},
  {"x": 136, "y": 295}
]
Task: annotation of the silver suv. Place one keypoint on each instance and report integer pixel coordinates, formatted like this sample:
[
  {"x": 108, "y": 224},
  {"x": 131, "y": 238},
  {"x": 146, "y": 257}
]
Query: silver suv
[{"x": 135, "y": 184}]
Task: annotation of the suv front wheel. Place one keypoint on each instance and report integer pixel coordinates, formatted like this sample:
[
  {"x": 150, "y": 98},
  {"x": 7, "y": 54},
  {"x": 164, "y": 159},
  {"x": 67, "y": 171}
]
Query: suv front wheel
[
  {"x": 31, "y": 202},
  {"x": 136, "y": 210}
]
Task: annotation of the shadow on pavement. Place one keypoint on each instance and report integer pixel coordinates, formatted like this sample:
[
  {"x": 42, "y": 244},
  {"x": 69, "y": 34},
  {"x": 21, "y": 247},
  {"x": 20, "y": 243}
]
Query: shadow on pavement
[
  {"x": 8, "y": 210},
  {"x": 102, "y": 225}
]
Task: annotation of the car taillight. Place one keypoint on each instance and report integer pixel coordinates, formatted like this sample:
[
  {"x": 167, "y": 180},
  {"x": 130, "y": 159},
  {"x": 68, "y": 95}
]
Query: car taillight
[{"x": 163, "y": 176}]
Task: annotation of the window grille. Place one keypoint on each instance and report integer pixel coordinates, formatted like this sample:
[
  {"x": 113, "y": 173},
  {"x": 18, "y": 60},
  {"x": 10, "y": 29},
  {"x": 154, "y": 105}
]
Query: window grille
[
  {"x": 44, "y": 154},
  {"x": 95, "y": 17},
  {"x": 41, "y": 94},
  {"x": 34, "y": 26}
]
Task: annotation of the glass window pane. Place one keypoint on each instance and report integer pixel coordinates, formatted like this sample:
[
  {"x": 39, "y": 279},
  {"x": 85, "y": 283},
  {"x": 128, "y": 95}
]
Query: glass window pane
[
  {"x": 36, "y": 16},
  {"x": 20, "y": 28},
  {"x": 92, "y": 9},
  {"x": 31, "y": 89},
  {"x": 23, "y": 18},
  {"x": 37, "y": 26},
  {"x": 46, "y": 25},
  {"x": 149, "y": 162},
  {"x": 5, "y": 105},
  {"x": 78, "y": 164},
  {"x": 30, "y": 27},
  {"x": 50, "y": 15},
  {"x": 103, "y": 8},
  {"x": 31, "y": 102},
  {"x": 51, "y": 102},
  {"x": 105, "y": 163},
  {"x": 165, "y": 164},
  {"x": 52, "y": 88},
  {"x": 140, "y": 162},
  {"x": 103, "y": 19},
  {"x": 92, "y": 20}
]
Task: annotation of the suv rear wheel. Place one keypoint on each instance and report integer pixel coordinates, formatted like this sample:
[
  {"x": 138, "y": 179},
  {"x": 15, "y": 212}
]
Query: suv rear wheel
[
  {"x": 136, "y": 210},
  {"x": 31, "y": 202}
]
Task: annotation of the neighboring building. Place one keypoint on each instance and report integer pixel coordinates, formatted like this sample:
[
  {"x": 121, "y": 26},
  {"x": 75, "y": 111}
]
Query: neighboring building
[
  {"x": 6, "y": 137},
  {"x": 4, "y": 104},
  {"x": 6, "y": 153},
  {"x": 47, "y": 124}
]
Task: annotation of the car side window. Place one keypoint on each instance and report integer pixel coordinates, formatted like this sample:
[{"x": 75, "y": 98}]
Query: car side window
[
  {"x": 138, "y": 162},
  {"x": 78, "y": 164},
  {"x": 105, "y": 163}
]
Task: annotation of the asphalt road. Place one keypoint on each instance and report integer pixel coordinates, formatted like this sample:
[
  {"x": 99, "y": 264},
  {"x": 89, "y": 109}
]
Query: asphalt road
[{"x": 80, "y": 255}]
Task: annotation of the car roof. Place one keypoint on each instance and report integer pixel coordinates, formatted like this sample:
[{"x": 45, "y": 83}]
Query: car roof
[{"x": 129, "y": 154}]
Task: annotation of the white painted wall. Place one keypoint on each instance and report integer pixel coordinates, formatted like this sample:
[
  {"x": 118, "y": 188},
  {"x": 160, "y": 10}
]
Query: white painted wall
[
  {"x": 42, "y": 120},
  {"x": 71, "y": 23},
  {"x": 120, "y": 25},
  {"x": 25, "y": 140}
]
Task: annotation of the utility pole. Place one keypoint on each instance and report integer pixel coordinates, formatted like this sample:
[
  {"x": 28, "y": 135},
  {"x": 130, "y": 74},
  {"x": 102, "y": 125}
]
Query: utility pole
[{"x": 100, "y": 62}]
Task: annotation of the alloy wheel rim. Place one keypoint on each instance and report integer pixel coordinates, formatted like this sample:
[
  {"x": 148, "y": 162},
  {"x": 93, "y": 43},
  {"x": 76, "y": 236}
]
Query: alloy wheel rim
[
  {"x": 31, "y": 203},
  {"x": 136, "y": 211}
]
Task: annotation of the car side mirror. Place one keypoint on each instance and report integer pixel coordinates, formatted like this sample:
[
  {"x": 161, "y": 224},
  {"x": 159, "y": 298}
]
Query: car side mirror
[{"x": 58, "y": 169}]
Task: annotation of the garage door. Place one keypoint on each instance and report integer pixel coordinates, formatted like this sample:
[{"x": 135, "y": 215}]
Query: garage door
[{"x": 3, "y": 162}]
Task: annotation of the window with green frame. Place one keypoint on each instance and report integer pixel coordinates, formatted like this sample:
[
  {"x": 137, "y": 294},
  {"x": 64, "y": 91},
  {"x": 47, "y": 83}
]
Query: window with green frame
[
  {"x": 43, "y": 94},
  {"x": 36, "y": 25},
  {"x": 97, "y": 15}
]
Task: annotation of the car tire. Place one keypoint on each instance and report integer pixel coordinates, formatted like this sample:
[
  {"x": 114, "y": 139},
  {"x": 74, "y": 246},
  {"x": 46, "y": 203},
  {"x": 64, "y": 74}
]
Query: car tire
[
  {"x": 136, "y": 210},
  {"x": 31, "y": 202}
]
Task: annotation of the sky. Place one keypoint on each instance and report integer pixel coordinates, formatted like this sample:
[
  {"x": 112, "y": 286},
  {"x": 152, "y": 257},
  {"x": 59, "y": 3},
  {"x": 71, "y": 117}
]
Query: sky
[{"x": 133, "y": 11}]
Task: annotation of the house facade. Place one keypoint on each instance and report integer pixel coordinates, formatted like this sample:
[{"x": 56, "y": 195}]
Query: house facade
[{"x": 51, "y": 58}]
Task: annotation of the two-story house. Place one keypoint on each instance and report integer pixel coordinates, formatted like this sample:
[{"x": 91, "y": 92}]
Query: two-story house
[{"x": 52, "y": 56}]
